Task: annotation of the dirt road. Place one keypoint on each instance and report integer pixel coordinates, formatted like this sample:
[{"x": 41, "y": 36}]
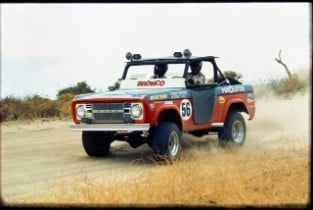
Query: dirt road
[{"x": 39, "y": 155}]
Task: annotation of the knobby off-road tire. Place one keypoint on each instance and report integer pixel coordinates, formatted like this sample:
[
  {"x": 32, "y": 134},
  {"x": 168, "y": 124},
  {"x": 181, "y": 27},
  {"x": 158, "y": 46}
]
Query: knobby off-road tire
[
  {"x": 166, "y": 142},
  {"x": 234, "y": 131},
  {"x": 96, "y": 144}
]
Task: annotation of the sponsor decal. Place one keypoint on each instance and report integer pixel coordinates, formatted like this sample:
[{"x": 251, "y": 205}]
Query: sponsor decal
[
  {"x": 151, "y": 83},
  {"x": 168, "y": 102},
  {"x": 185, "y": 109},
  {"x": 250, "y": 98},
  {"x": 159, "y": 97},
  {"x": 152, "y": 106},
  {"x": 221, "y": 100},
  {"x": 178, "y": 94},
  {"x": 250, "y": 95},
  {"x": 232, "y": 89}
]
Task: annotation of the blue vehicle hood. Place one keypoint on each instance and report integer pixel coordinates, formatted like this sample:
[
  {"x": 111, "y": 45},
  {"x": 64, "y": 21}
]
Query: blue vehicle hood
[{"x": 150, "y": 94}]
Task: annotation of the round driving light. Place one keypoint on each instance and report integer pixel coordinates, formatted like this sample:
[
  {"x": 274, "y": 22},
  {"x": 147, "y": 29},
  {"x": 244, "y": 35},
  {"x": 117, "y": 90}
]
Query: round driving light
[
  {"x": 187, "y": 53},
  {"x": 137, "y": 56},
  {"x": 80, "y": 111},
  {"x": 136, "y": 111},
  {"x": 178, "y": 54},
  {"x": 129, "y": 56}
]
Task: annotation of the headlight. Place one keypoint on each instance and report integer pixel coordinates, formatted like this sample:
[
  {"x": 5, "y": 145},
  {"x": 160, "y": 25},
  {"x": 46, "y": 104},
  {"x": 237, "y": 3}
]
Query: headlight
[
  {"x": 136, "y": 111},
  {"x": 80, "y": 111}
]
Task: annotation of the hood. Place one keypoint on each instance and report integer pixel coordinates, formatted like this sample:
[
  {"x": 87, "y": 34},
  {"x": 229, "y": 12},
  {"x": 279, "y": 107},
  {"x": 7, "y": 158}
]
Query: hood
[
  {"x": 151, "y": 94},
  {"x": 152, "y": 89}
]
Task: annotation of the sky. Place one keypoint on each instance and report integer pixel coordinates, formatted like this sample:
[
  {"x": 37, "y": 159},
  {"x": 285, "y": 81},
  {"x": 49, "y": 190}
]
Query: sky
[{"x": 48, "y": 47}]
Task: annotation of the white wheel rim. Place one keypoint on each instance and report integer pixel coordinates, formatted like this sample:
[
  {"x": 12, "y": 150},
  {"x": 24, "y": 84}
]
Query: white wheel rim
[
  {"x": 173, "y": 144},
  {"x": 238, "y": 132}
]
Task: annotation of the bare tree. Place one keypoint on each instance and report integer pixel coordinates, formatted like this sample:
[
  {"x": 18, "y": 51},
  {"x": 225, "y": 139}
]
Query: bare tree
[{"x": 282, "y": 63}]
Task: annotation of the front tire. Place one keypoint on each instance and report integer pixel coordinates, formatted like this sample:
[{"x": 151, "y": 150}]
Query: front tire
[
  {"x": 166, "y": 141},
  {"x": 96, "y": 144},
  {"x": 234, "y": 131}
]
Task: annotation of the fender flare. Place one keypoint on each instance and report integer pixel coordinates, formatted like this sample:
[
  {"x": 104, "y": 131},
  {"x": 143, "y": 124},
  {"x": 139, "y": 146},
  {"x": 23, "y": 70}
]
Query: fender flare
[
  {"x": 168, "y": 108},
  {"x": 230, "y": 102}
]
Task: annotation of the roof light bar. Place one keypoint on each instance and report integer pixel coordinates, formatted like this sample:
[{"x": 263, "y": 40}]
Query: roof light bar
[{"x": 186, "y": 54}]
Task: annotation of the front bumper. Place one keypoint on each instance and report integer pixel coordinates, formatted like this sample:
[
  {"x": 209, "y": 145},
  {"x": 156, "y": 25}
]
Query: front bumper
[{"x": 110, "y": 127}]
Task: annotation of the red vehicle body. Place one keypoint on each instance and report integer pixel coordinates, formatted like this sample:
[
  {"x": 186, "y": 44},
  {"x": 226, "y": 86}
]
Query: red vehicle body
[{"x": 158, "y": 111}]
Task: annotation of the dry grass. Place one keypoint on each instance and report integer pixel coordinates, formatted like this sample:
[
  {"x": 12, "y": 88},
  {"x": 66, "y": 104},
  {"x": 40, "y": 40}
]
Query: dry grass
[{"x": 222, "y": 178}]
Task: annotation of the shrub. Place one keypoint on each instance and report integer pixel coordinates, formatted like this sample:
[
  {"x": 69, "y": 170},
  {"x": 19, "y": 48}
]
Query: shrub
[
  {"x": 39, "y": 107},
  {"x": 64, "y": 104},
  {"x": 288, "y": 86},
  {"x": 34, "y": 106},
  {"x": 80, "y": 87},
  {"x": 228, "y": 74},
  {"x": 232, "y": 74},
  {"x": 11, "y": 108}
]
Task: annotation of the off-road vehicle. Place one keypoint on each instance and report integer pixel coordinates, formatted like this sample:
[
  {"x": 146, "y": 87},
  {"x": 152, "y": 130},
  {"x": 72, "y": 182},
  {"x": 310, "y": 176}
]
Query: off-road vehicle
[{"x": 156, "y": 111}]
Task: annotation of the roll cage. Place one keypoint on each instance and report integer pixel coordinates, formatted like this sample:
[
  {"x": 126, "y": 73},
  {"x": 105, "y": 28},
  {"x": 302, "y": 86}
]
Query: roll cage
[{"x": 175, "y": 60}]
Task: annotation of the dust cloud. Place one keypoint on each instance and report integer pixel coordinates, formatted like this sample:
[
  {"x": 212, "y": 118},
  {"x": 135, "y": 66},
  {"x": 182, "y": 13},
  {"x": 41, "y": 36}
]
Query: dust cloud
[{"x": 278, "y": 122}]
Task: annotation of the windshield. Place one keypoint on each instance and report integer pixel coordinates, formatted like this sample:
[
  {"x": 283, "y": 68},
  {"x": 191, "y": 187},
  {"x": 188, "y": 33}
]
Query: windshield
[{"x": 150, "y": 71}]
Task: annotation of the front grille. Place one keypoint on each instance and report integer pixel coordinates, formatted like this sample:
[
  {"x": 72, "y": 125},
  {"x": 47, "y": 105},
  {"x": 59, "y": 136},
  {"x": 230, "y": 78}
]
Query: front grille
[
  {"x": 107, "y": 106},
  {"x": 108, "y": 116},
  {"x": 108, "y": 112}
]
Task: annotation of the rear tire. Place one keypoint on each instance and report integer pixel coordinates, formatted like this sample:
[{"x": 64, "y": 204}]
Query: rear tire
[
  {"x": 166, "y": 142},
  {"x": 96, "y": 144},
  {"x": 234, "y": 131}
]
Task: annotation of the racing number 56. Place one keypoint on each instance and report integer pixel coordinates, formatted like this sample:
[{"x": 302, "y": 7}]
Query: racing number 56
[{"x": 185, "y": 109}]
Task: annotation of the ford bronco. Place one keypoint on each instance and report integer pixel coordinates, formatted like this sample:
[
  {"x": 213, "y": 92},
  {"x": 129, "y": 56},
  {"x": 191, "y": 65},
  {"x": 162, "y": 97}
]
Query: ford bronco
[{"x": 156, "y": 111}]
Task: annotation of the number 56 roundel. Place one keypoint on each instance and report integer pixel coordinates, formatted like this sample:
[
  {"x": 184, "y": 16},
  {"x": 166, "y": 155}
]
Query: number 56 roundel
[{"x": 185, "y": 109}]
